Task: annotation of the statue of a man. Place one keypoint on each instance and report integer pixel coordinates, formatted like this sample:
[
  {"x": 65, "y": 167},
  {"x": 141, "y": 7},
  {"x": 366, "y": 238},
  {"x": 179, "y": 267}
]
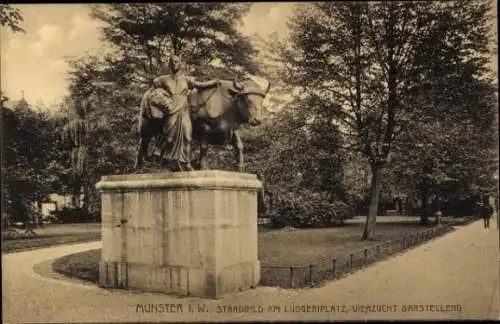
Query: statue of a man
[{"x": 176, "y": 144}]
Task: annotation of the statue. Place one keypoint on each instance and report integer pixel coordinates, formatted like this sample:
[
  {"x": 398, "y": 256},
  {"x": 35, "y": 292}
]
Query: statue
[
  {"x": 164, "y": 108},
  {"x": 217, "y": 114},
  {"x": 211, "y": 114}
]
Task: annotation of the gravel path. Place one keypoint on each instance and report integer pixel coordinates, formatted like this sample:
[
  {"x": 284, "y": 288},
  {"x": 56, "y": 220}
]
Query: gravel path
[{"x": 452, "y": 277}]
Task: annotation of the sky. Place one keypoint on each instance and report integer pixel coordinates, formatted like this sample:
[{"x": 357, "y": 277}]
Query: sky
[{"x": 34, "y": 63}]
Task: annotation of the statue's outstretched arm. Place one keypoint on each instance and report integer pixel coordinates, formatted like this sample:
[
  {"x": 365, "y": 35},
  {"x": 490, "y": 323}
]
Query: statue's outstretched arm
[{"x": 203, "y": 85}]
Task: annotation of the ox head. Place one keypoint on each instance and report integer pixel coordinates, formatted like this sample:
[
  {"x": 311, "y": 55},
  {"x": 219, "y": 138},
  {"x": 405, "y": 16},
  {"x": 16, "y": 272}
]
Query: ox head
[{"x": 252, "y": 92}]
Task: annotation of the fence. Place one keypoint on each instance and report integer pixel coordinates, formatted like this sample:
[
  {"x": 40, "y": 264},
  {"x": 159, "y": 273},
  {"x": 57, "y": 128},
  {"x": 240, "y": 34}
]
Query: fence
[{"x": 311, "y": 274}]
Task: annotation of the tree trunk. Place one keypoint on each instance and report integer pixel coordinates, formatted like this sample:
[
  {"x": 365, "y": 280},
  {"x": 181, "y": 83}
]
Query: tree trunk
[
  {"x": 372, "y": 212},
  {"x": 75, "y": 196},
  {"x": 39, "y": 214},
  {"x": 86, "y": 193},
  {"x": 424, "y": 217},
  {"x": 438, "y": 208}
]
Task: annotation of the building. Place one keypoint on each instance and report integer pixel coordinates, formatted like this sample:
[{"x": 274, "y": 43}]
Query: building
[{"x": 57, "y": 202}]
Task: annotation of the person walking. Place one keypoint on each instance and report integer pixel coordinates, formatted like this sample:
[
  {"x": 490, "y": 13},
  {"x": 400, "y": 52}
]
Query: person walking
[{"x": 486, "y": 211}]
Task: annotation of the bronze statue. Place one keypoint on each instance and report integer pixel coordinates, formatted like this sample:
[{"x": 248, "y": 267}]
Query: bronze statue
[
  {"x": 211, "y": 113},
  {"x": 165, "y": 112}
]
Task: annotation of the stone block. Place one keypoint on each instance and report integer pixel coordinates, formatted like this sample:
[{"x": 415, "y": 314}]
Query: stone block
[
  {"x": 103, "y": 274},
  {"x": 196, "y": 282},
  {"x": 122, "y": 275},
  {"x": 139, "y": 276}
]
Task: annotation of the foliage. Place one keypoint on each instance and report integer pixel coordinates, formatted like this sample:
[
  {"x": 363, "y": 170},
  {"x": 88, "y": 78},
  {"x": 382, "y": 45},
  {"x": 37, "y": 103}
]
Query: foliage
[
  {"x": 31, "y": 162},
  {"x": 454, "y": 118},
  {"x": 11, "y": 17},
  {"x": 294, "y": 152},
  {"x": 305, "y": 208},
  {"x": 357, "y": 180},
  {"x": 286, "y": 142},
  {"x": 105, "y": 91},
  {"x": 75, "y": 215},
  {"x": 145, "y": 35},
  {"x": 460, "y": 207},
  {"x": 451, "y": 156},
  {"x": 92, "y": 113},
  {"x": 374, "y": 66}
]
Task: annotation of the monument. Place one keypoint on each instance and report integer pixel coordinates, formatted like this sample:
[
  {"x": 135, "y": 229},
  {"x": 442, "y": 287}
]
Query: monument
[
  {"x": 191, "y": 233},
  {"x": 187, "y": 233}
]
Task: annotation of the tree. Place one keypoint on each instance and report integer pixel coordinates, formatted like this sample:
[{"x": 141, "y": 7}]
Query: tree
[
  {"x": 369, "y": 63},
  {"x": 299, "y": 190},
  {"x": 455, "y": 106},
  {"x": 105, "y": 91},
  {"x": 11, "y": 17},
  {"x": 145, "y": 35},
  {"x": 91, "y": 110},
  {"x": 31, "y": 161},
  {"x": 449, "y": 157}
]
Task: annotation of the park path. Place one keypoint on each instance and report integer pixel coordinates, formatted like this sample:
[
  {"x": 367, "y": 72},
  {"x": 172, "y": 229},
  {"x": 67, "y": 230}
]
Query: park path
[{"x": 460, "y": 268}]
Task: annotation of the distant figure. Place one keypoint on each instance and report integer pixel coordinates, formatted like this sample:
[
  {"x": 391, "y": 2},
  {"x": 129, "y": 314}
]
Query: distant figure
[
  {"x": 438, "y": 215},
  {"x": 486, "y": 211}
]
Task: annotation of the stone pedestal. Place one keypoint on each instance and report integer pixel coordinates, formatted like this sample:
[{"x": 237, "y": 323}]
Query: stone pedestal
[{"x": 185, "y": 233}]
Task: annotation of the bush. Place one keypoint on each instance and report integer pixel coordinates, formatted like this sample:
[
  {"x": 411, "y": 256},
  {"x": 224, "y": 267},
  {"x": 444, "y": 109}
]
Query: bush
[
  {"x": 306, "y": 209},
  {"x": 75, "y": 215},
  {"x": 362, "y": 204},
  {"x": 460, "y": 207}
]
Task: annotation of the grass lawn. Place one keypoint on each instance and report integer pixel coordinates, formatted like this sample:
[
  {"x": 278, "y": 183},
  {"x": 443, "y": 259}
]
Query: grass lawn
[
  {"x": 305, "y": 246},
  {"x": 282, "y": 246},
  {"x": 84, "y": 265},
  {"x": 54, "y": 234}
]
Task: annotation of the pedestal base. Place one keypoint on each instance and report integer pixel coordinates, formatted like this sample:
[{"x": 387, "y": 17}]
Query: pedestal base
[
  {"x": 186, "y": 233},
  {"x": 179, "y": 280}
]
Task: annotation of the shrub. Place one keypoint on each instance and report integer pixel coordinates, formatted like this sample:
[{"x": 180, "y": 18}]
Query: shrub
[
  {"x": 75, "y": 215},
  {"x": 306, "y": 209},
  {"x": 460, "y": 207},
  {"x": 362, "y": 204}
]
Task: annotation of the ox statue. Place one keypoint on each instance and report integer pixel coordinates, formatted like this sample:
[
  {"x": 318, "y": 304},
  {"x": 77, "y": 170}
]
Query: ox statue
[{"x": 216, "y": 113}]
